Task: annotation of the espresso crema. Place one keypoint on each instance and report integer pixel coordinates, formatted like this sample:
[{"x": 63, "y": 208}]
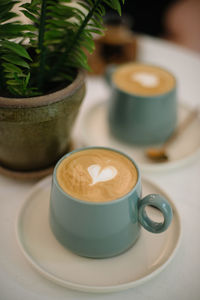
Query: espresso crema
[
  {"x": 142, "y": 79},
  {"x": 96, "y": 175}
]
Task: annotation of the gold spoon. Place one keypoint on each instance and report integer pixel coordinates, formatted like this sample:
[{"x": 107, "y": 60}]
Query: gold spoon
[{"x": 160, "y": 154}]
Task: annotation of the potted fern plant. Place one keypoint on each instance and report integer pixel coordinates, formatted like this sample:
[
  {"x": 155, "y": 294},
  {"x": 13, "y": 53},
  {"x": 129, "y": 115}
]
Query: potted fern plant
[{"x": 42, "y": 78}]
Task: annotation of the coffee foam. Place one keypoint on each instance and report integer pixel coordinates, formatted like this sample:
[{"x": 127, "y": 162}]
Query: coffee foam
[
  {"x": 144, "y": 80},
  {"x": 99, "y": 175},
  {"x": 96, "y": 175}
]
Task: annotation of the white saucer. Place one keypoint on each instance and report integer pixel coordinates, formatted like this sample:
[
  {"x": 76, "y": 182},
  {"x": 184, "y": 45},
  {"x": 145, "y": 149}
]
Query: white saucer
[
  {"x": 147, "y": 258},
  {"x": 94, "y": 131}
]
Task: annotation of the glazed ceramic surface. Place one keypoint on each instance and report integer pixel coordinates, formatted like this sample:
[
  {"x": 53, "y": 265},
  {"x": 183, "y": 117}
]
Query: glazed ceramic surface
[
  {"x": 103, "y": 229},
  {"x": 184, "y": 150},
  {"x": 149, "y": 270},
  {"x": 141, "y": 120},
  {"x": 36, "y": 132},
  {"x": 150, "y": 255}
]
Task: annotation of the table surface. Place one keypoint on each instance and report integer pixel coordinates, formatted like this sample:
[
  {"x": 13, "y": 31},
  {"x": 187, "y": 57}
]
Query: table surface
[{"x": 180, "y": 279}]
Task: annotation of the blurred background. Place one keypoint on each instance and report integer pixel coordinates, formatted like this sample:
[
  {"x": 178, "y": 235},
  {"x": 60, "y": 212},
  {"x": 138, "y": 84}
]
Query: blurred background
[{"x": 175, "y": 20}]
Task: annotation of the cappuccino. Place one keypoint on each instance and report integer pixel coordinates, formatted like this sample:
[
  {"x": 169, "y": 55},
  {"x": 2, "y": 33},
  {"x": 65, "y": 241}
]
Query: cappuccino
[
  {"x": 143, "y": 79},
  {"x": 96, "y": 175}
]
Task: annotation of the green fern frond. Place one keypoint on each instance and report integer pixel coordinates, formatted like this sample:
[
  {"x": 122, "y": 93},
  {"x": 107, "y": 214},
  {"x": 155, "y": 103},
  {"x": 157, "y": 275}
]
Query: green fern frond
[
  {"x": 5, "y": 10},
  {"x": 59, "y": 37},
  {"x": 87, "y": 20},
  {"x": 14, "y": 58}
]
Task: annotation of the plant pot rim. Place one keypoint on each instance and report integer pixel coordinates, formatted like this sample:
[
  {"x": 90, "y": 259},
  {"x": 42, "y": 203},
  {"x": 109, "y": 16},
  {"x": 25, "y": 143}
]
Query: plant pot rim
[{"x": 45, "y": 99}]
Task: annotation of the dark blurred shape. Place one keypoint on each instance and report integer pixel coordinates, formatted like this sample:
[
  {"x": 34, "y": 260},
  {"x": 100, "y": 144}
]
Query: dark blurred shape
[
  {"x": 176, "y": 20},
  {"x": 117, "y": 46},
  {"x": 112, "y": 18},
  {"x": 147, "y": 16}
]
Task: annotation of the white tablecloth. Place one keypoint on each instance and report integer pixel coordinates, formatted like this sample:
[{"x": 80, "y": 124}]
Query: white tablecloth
[{"x": 180, "y": 279}]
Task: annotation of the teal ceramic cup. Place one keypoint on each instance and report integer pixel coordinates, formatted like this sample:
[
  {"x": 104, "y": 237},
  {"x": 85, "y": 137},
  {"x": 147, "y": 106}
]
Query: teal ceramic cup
[
  {"x": 106, "y": 229},
  {"x": 142, "y": 119}
]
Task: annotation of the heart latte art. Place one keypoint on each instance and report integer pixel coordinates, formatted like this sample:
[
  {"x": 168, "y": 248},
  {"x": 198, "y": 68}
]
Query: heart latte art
[
  {"x": 143, "y": 79},
  {"x": 96, "y": 175},
  {"x": 99, "y": 175}
]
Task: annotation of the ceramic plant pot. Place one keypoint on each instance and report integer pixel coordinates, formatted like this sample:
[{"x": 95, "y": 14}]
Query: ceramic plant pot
[{"x": 35, "y": 132}]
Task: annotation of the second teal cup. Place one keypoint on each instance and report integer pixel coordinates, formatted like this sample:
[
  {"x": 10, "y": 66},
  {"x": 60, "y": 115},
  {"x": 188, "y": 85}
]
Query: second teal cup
[
  {"x": 140, "y": 112},
  {"x": 102, "y": 229}
]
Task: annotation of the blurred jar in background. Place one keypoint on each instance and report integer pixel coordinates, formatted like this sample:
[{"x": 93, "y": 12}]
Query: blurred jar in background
[
  {"x": 174, "y": 20},
  {"x": 116, "y": 46}
]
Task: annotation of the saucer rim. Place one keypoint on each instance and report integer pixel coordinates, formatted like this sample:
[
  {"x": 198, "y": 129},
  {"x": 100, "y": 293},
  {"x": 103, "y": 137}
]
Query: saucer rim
[
  {"x": 144, "y": 167},
  {"x": 92, "y": 288}
]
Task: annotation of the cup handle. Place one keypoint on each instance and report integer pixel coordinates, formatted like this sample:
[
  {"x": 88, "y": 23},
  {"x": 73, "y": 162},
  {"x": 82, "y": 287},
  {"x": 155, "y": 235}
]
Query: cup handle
[{"x": 161, "y": 204}]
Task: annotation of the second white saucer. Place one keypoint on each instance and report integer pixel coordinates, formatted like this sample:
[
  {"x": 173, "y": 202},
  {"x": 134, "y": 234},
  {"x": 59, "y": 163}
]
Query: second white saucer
[{"x": 94, "y": 131}]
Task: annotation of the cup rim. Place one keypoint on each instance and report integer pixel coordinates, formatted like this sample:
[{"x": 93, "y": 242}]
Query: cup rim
[
  {"x": 85, "y": 202},
  {"x": 145, "y": 97}
]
